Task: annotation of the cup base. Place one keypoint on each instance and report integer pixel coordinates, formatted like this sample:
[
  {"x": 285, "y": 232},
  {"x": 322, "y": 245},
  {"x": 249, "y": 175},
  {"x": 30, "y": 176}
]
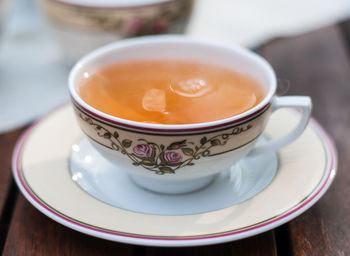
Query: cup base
[{"x": 172, "y": 186}]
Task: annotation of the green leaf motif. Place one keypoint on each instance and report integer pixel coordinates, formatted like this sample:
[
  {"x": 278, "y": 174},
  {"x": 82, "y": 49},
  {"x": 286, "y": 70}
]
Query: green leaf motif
[
  {"x": 147, "y": 162},
  {"x": 153, "y": 152},
  {"x": 176, "y": 145},
  {"x": 107, "y": 135},
  {"x": 165, "y": 169},
  {"x": 126, "y": 143},
  {"x": 115, "y": 146},
  {"x": 161, "y": 157},
  {"x": 116, "y": 135},
  {"x": 203, "y": 140},
  {"x": 206, "y": 153},
  {"x": 215, "y": 142},
  {"x": 188, "y": 151}
]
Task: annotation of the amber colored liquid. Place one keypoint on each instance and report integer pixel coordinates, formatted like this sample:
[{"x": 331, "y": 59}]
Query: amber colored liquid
[{"x": 169, "y": 91}]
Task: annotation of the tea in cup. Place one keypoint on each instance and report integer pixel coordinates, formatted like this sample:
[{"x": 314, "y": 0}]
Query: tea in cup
[
  {"x": 169, "y": 91},
  {"x": 173, "y": 111}
]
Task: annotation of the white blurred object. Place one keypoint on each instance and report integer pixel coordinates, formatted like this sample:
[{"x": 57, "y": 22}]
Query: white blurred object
[
  {"x": 4, "y": 9},
  {"x": 33, "y": 78},
  {"x": 251, "y": 22}
]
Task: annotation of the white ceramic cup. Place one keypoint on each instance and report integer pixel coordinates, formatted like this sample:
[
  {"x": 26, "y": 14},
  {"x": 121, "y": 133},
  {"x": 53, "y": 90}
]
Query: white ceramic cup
[{"x": 182, "y": 158}]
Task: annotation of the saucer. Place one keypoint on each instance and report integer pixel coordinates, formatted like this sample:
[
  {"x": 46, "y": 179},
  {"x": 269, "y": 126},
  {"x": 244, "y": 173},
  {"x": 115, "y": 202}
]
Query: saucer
[{"x": 43, "y": 167}]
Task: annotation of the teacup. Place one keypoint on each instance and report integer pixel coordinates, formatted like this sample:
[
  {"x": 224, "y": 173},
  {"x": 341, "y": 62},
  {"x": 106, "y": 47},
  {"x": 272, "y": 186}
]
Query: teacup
[
  {"x": 182, "y": 158},
  {"x": 83, "y": 25}
]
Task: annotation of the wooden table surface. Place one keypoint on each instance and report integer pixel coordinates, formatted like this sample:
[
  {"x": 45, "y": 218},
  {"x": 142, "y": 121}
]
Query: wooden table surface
[{"x": 316, "y": 64}]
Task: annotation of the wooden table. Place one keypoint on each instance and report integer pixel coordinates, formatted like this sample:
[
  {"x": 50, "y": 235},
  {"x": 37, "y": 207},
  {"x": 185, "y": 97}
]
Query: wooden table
[{"x": 316, "y": 64}]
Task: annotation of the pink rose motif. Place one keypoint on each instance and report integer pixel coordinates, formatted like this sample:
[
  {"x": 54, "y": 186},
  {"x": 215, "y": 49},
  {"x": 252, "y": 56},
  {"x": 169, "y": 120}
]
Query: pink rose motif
[
  {"x": 159, "y": 26},
  {"x": 172, "y": 157},
  {"x": 143, "y": 150},
  {"x": 134, "y": 26}
]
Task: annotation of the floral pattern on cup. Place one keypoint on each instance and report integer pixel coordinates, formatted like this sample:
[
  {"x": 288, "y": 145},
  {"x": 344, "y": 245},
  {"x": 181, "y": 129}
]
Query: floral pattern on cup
[
  {"x": 143, "y": 150},
  {"x": 163, "y": 158},
  {"x": 166, "y": 17},
  {"x": 172, "y": 157}
]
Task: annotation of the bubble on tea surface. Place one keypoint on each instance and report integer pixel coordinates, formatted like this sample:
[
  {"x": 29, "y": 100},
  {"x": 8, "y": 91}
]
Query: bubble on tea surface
[
  {"x": 191, "y": 87},
  {"x": 154, "y": 100}
]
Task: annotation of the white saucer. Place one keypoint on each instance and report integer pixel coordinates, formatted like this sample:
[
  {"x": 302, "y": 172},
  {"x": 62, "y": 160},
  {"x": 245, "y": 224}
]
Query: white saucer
[
  {"x": 111, "y": 184},
  {"x": 41, "y": 163}
]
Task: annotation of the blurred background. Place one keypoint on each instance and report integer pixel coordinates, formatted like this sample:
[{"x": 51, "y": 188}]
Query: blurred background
[{"x": 40, "y": 40}]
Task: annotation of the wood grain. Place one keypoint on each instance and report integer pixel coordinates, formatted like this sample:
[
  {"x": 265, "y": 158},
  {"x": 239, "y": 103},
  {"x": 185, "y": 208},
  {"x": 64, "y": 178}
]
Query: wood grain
[
  {"x": 345, "y": 27},
  {"x": 7, "y": 143},
  {"x": 317, "y": 64},
  {"x": 32, "y": 233},
  {"x": 8, "y": 191}
]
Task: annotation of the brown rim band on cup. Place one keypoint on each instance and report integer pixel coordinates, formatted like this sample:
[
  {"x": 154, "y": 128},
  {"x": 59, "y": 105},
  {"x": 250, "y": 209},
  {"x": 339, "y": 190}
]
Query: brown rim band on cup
[{"x": 168, "y": 131}]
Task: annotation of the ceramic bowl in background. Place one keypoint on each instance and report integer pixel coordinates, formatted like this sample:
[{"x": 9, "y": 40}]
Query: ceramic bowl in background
[{"x": 83, "y": 25}]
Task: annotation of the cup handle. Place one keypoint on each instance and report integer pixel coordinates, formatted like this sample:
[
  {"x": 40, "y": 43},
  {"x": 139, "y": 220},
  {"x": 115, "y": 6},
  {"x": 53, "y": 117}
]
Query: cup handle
[{"x": 302, "y": 103}]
